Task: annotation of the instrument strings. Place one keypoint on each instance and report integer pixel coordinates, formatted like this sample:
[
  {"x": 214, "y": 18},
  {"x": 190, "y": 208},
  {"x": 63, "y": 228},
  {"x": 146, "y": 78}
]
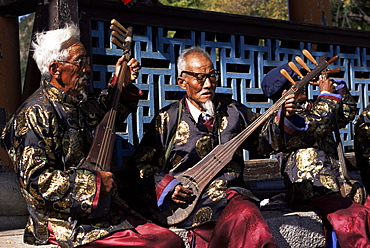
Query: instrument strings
[
  {"x": 203, "y": 173},
  {"x": 232, "y": 145},
  {"x": 109, "y": 130}
]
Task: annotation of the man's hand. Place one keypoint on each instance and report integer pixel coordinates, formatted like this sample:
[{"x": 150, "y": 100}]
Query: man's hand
[
  {"x": 181, "y": 194},
  {"x": 325, "y": 84},
  {"x": 289, "y": 105},
  {"x": 132, "y": 73},
  {"x": 107, "y": 182}
]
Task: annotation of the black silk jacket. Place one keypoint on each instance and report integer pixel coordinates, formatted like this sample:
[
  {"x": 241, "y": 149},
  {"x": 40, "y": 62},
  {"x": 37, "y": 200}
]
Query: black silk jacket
[
  {"x": 47, "y": 138},
  {"x": 194, "y": 141}
]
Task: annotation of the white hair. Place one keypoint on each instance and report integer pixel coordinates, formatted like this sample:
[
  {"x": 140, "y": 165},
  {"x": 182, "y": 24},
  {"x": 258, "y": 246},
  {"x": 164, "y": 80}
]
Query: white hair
[
  {"x": 48, "y": 47},
  {"x": 181, "y": 61}
]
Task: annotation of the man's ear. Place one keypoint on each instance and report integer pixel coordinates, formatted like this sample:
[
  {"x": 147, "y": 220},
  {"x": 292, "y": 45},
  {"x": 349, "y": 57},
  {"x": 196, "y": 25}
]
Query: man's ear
[
  {"x": 54, "y": 70},
  {"x": 181, "y": 82}
]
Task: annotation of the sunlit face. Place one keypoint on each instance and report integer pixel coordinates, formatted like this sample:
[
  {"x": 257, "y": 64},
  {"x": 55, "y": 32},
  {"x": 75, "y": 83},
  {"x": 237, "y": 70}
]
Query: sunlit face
[
  {"x": 197, "y": 92},
  {"x": 71, "y": 77}
]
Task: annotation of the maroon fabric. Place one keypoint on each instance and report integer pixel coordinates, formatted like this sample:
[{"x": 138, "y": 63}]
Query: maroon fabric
[
  {"x": 350, "y": 220},
  {"x": 149, "y": 235},
  {"x": 145, "y": 235},
  {"x": 241, "y": 224},
  {"x": 209, "y": 123}
]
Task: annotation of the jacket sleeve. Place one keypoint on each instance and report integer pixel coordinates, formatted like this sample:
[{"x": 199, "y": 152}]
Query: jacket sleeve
[
  {"x": 270, "y": 136},
  {"x": 146, "y": 177},
  {"x": 32, "y": 143},
  {"x": 362, "y": 145},
  {"x": 323, "y": 116}
]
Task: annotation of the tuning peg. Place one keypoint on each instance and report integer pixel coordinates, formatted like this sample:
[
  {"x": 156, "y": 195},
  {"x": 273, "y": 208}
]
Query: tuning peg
[
  {"x": 117, "y": 36},
  {"x": 309, "y": 56},
  {"x": 114, "y": 28},
  {"x": 302, "y": 63},
  {"x": 333, "y": 59},
  {"x": 117, "y": 43},
  {"x": 336, "y": 70},
  {"x": 295, "y": 69},
  {"x": 287, "y": 76},
  {"x": 118, "y": 25}
]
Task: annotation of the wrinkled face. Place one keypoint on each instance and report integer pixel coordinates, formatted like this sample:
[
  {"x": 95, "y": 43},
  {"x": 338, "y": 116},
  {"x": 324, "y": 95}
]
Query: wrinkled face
[
  {"x": 197, "y": 91},
  {"x": 71, "y": 75}
]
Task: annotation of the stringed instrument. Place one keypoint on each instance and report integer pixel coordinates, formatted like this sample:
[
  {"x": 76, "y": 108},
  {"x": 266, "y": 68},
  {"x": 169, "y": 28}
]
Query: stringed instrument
[
  {"x": 199, "y": 176},
  {"x": 101, "y": 151}
]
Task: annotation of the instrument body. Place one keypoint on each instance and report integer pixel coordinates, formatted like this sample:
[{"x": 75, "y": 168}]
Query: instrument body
[
  {"x": 200, "y": 175},
  {"x": 101, "y": 151}
]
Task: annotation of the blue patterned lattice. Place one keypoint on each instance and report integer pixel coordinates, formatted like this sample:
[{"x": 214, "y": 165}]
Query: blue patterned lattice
[{"x": 242, "y": 60}]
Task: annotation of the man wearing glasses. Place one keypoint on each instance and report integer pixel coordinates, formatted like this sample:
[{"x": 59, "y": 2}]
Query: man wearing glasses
[
  {"x": 226, "y": 214},
  {"x": 50, "y": 136}
]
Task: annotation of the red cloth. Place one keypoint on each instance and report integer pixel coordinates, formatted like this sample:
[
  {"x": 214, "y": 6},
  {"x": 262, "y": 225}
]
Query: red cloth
[
  {"x": 209, "y": 123},
  {"x": 145, "y": 235},
  {"x": 241, "y": 224},
  {"x": 350, "y": 220},
  {"x": 126, "y": 1}
]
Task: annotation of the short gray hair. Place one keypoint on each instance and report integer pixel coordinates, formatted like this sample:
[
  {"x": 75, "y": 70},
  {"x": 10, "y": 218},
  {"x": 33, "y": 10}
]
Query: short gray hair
[
  {"x": 48, "y": 47},
  {"x": 181, "y": 61}
]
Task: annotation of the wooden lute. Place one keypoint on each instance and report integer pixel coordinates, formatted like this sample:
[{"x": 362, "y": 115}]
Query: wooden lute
[
  {"x": 101, "y": 151},
  {"x": 200, "y": 175}
]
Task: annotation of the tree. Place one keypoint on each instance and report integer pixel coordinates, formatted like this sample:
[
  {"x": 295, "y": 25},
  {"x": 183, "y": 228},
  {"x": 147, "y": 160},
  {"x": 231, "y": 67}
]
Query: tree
[
  {"x": 351, "y": 14},
  {"x": 275, "y": 9},
  {"x": 195, "y": 4},
  {"x": 25, "y": 32}
]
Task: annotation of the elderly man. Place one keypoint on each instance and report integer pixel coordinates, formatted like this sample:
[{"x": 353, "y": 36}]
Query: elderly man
[
  {"x": 310, "y": 162},
  {"x": 50, "y": 136},
  {"x": 226, "y": 214}
]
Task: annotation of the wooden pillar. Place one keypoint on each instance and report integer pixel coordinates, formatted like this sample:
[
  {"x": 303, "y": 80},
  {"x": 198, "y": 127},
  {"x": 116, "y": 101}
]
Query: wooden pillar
[
  {"x": 10, "y": 76},
  {"x": 310, "y": 11},
  {"x": 50, "y": 15}
]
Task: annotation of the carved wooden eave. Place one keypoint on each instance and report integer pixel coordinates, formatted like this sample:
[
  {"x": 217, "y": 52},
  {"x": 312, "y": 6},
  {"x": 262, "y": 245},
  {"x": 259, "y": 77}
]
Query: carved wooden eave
[{"x": 17, "y": 7}]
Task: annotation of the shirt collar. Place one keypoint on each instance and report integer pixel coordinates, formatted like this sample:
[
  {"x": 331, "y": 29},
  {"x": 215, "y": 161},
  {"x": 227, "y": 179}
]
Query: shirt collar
[{"x": 194, "y": 111}]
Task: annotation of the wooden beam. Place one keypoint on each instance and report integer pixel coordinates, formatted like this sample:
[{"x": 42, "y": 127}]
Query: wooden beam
[
  {"x": 191, "y": 19},
  {"x": 264, "y": 169}
]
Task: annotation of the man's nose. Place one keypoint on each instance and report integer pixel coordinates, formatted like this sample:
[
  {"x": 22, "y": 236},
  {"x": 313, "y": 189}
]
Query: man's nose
[{"x": 207, "y": 83}]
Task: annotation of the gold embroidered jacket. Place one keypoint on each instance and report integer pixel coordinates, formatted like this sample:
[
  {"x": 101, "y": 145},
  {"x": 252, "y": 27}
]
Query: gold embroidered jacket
[
  {"x": 310, "y": 165},
  {"x": 47, "y": 138},
  {"x": 362, "y": 146},
  {"x": 192, "y": 142}
]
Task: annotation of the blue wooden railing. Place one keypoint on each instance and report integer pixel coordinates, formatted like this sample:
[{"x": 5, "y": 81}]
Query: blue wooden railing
[{"x": 243, "y": 60}]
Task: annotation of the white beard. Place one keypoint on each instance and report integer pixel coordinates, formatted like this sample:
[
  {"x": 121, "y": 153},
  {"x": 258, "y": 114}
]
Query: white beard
[
  {"x": 83, "y": 91},
  {"x": 83, "y": 95},
  {"x": 209, "y": 108}
]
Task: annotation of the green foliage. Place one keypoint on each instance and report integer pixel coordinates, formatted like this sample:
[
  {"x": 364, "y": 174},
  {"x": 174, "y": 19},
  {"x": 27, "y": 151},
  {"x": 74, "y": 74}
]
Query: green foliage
[
  {"x": 264, "y": 8},
  {"x": 351, "y": 14},
  {"x": 195, "y": 4},
  {"x": 25, "y": 33}
]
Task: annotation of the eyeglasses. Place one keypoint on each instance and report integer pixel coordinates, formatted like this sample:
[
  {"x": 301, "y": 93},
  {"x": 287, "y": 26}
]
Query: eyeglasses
[
  {"x": 82, "y": 62},
  {"x": 202, "y": 77}
]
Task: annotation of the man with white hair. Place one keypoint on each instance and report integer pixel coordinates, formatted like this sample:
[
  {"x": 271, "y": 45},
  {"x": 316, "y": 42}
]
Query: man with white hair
[
  {"x": 226, "y": 214},
  {"x": 48, "y": 138}
]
